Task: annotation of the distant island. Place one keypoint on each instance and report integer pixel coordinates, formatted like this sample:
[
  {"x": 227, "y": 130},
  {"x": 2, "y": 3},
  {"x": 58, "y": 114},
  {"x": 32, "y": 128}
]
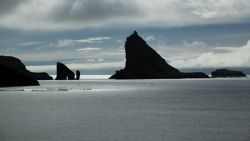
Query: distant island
[
  {"x": 143, "y": 62},
  {"x": 227, "y": 73}
]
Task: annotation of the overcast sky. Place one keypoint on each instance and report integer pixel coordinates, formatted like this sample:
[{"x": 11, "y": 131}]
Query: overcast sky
[{"x": 89, "y": 34}]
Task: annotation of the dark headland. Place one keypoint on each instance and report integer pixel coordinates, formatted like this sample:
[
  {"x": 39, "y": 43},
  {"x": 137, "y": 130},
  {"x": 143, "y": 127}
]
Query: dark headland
[
  {"x": 16, "y": 64},
  {"x": 14, "y": 73},
  {"x": 142, "y": 62}
]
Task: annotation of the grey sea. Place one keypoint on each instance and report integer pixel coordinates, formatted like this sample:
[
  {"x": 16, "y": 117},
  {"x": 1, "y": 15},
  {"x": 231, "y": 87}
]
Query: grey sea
[{"x": 127, "y": 110}]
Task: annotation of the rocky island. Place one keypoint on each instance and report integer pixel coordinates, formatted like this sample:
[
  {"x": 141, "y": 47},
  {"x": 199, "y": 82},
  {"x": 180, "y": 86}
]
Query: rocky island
[
  {"x": 143, "y": 62},
  {"x": 227, "y": 73},
  {"x": 63, "y": 72},
  {"x": 14, "y": 73},
  {"x": 16, "y": 64}
]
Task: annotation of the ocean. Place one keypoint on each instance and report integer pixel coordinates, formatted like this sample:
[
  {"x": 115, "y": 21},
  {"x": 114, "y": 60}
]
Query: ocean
[{"x": 127, "y": 110}]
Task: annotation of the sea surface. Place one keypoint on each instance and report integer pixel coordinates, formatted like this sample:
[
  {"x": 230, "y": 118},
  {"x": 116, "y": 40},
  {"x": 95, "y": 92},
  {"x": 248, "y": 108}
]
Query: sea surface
[{"x": 127, "y": 110}]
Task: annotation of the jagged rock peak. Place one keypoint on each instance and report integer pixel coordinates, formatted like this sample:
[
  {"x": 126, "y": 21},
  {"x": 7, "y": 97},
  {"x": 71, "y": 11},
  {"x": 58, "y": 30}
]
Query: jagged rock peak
[
  {"x": 135, "y": 33},
  {"x": 143, "y": 62},
  {"x": 135, "y": 36}
]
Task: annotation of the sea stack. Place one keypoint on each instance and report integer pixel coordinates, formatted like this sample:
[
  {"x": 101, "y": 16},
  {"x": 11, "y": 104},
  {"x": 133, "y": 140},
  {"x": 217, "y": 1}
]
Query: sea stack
[
  {"x": 63, "y": 72},
  {"x": 78, "y": 74},
  {"x": 13, "y": 73},
  {"x": 143, "y": 62},
  {"x": 227, "y": 73}
]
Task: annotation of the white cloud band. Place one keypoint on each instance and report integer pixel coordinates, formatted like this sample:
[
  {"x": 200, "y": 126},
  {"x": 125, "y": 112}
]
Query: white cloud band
[{"x": 225, "y": 57}]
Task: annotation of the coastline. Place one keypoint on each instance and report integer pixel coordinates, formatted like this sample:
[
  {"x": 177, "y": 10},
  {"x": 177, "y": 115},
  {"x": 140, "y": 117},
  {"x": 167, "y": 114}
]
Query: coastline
[{"x": 104, "y": 77}]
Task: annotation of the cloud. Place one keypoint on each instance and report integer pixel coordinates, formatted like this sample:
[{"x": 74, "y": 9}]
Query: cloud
[
  {"x": 74, "y": 51},
  {"x": 194, "y": 12},
  {"x": 75, "y": 14},
  {"x": 28, "y": 43},
  {"x": 150, "y": 38},
  {"x": 37, "y": 56},
  {"x": 194, "y": 44},
  {"x": 212, "y": 9},
  {"x": 67, "y": 42},
  {"x": 64, "y": 14},
  {"x": 97, "y": 65},
  {"x": 216, "y": 58},
  {"x": 92, "y": 10},
  {"x": 8, "y": 50},
  {"x": 200, "y": 54},
  {"x": 87, "y": 49},
  {"x": 8, "y": 5}
]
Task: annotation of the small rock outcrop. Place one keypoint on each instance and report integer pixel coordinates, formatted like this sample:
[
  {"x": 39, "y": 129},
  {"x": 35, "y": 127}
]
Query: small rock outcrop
[
  {"x": 78, "y": 75},
  {"x": 17, "y": 65},
  {"x": 142, "y": 62},
  {"x": 64, "y": 73},
  {"x": 12, "y": 76},
  {"x": 227, "y": 73}
]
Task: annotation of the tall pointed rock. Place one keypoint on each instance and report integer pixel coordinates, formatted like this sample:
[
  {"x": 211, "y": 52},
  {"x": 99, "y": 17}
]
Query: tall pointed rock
[{"x": 143, "y": 62}]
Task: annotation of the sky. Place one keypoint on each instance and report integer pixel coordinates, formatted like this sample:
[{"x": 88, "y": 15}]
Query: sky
[{"x": 89, "y": 35}]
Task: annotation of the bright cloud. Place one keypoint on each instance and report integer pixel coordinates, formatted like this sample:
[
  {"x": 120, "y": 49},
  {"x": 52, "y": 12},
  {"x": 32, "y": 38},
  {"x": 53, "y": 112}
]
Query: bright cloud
[
  {"x": 74, "y": 14},
  {"x": 28, "y": 43},
  {"x": 87, "y": 49},
  {"x": 216, "y": 57},
  {"x": 67, "y": 42}
]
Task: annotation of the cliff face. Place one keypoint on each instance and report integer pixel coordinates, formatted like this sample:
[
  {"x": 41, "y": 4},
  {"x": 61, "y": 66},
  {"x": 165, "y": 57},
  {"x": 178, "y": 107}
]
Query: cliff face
[
  {"x": 227, "y": 73},
  {"x": 142, "y": 62},
  {"x": 14, "y": 73},
  {"x": 16, "y": 64},
  {"x": 12, "y": 63},
  {"x": 64, "y": 73}
]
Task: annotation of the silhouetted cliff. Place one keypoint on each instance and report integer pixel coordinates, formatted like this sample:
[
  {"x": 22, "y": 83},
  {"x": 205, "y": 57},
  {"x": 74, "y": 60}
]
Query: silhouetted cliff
[
  {"x": 227, "y": 73},
  {"x": 142, "y": 62},
  {"x": 12, "y": 76},
  {"x": 64, "y": 73},
  {"x": 16, "y": 64}
]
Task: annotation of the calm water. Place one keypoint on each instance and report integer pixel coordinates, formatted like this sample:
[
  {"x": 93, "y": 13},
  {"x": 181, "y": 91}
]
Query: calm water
[{"x": 112, "y": 110}]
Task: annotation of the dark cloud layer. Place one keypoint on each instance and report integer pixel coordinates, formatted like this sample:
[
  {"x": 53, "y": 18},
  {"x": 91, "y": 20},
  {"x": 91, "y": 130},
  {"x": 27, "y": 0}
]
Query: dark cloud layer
[
  {"x": 65, "y": 14},
  {"x": 8, "y": 5},
  {"x": 93, "y": 10},
  {"x": 79, "y": 14}
]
